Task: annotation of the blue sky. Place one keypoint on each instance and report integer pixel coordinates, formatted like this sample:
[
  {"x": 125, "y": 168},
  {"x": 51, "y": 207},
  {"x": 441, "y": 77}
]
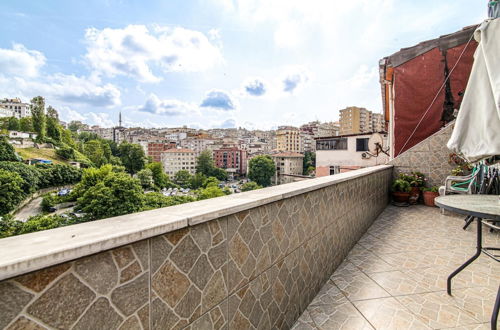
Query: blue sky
[{"x": 212, "y": 63}]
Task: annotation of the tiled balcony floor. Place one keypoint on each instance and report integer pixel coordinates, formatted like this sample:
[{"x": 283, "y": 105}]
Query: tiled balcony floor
[{"x": 395, "y": 277}]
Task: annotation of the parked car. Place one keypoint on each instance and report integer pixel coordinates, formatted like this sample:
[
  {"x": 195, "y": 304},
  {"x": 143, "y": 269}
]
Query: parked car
[{"x": 64, "y": 192}]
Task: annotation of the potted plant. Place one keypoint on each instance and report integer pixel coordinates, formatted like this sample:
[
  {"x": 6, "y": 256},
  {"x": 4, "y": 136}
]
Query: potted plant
[
  {"x": 401, "y": 191},
  {"x": 429, "y": 195},
  {"x": 416, "y": 181}
]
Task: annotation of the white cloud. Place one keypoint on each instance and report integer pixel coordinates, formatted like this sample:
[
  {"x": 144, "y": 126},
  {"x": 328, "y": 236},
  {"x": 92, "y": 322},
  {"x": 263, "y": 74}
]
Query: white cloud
[
  {"x": 67, "y": 89},
  {"x": 20, "y": 61},
  {"x": 137, "y": 51},
  {"x": 91, "y": 118},
  {"x": 364, "y": 76},
  {"x": 167, "y": 107},
  {"x": 19, "y": 75}
]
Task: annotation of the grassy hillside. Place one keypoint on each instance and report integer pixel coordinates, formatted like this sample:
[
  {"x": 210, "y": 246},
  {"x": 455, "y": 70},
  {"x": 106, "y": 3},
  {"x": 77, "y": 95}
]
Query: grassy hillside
[{"x": 43, "y": 153}]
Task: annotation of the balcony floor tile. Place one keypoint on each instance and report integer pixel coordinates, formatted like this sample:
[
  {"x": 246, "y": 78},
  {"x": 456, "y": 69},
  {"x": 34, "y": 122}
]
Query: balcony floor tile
[{"x": 395, "y": 277}]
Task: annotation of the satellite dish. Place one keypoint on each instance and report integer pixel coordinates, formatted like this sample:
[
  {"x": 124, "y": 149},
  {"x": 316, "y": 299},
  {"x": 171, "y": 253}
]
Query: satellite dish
[{"x": 376, "y": 143}]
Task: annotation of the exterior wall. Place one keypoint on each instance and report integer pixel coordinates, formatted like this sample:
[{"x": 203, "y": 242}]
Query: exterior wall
[
  {"x": 291, "y": 165},
  {"x": 173, "y": 161},
  {"x": 288, "y": 139},
  {"x": 429, "y": 157},
  {"x": 346, "y": 158},
  {"x": 235, "y": 159},
  {"x": 155, "y": 149},
  {"x": 255, "y": 268}
]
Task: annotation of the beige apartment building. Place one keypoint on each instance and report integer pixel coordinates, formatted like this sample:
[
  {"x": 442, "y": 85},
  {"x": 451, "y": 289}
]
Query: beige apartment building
[
  {"x": 288, "y": 165},
  {"x": 174, "y": 160},
  {"x": 288, "y": 138},
  {"x": 355, "y": 120},
  {"x": 378, "y": 122}
]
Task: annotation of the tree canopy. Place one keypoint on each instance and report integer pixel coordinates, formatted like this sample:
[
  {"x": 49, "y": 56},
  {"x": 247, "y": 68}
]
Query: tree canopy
[
  {"x": 7, "y": 151},
  {"x": 37, "y": 108},
  {"x": 132, "y": 157},
  {"x": 261, "y": 170}
]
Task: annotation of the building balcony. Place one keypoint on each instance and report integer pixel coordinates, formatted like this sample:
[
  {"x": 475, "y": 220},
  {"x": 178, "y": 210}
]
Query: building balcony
[{"x": 325, "y": 253}]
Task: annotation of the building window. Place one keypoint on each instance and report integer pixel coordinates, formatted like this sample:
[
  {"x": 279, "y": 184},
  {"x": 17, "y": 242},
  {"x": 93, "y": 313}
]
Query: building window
[
  {"x": 362, "y": 144},
  {"x": 332, "y": 144}
]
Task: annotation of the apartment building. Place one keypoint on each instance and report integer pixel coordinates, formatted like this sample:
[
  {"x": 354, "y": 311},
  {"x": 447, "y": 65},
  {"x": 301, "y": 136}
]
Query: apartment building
[
  {"x": 5, "y": 113},
  {"x": 234, "y": 160},
  {"x": 288, "y": 165},
  {"x": 355, "y": 120},
  {"x": 378, "y": 122},
  {"x": 155, "y": 149},
  {"x": 20, "y": 109},
  {"x": 174, "y": 160},
  {"x": 288, "y": 138},
  {"x": 344, "y": 153}
]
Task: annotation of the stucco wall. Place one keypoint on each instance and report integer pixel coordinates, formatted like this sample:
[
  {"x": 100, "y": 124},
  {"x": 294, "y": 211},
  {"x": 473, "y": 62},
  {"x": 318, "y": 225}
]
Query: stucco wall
[
  {"x": 429, "y": 157},
  {"x": 255, "y": 268}
]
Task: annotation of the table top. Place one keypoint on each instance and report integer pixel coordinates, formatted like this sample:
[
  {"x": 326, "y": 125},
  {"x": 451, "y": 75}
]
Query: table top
[{"x": 480, "y": 206}]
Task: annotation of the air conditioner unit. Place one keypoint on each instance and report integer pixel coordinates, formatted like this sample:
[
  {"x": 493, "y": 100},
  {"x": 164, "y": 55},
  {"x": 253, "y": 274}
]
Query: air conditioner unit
[{"x": 364, "y": 155}]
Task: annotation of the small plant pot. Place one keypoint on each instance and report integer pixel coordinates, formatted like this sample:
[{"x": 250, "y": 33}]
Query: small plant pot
[
  {"x": 400, "y": 197},
  {"x": 429, "y": 197}
]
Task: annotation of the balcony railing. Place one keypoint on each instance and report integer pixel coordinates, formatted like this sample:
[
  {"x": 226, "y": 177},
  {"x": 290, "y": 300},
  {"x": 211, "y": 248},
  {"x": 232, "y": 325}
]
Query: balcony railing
[{"x": 251, "y": 260}]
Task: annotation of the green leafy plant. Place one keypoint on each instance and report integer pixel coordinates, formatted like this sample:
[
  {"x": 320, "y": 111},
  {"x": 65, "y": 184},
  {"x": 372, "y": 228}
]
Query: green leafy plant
[
  {"x": 433, "y": 189},
  {"x": 415, "y": 179},
  {"x": 401, "y": 185}
]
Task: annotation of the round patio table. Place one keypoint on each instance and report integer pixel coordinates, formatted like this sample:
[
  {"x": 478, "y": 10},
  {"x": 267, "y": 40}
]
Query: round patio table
[{"x": 479, "y": 207}]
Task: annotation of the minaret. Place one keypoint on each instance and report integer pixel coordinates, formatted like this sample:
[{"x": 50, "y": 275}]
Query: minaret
[{"x": 120, "y": 119}]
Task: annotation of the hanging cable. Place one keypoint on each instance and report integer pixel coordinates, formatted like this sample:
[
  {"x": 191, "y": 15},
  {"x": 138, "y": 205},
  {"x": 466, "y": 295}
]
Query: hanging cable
[{"x": 439, "y": 91}]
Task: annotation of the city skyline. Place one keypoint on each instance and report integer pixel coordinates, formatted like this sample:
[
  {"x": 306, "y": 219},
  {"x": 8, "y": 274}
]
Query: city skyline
[{"x": 214, "y": 63}]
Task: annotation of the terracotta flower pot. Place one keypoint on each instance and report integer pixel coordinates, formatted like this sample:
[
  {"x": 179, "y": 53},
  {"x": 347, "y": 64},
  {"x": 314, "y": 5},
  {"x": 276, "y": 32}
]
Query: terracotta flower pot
[
  {"x": 400, "y": 197},
  {"x": 429, "y": 197}
]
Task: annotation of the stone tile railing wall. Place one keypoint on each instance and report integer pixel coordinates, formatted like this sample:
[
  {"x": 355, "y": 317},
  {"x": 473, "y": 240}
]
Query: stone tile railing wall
[
  {"x": 429, "y": 157},
  {"x": 251, "y": 267}
]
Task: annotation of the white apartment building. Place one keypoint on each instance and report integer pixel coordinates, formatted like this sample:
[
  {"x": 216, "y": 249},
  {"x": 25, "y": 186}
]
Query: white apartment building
[
  {"x": 198, "y": 145},
  {"x": 288, "y": 165},
  {"x": 174, "y": 160},
  {"x": 344, "y": 153},
  {"x": 5, "y": 113},
  {"x": 20, "y": 109}
]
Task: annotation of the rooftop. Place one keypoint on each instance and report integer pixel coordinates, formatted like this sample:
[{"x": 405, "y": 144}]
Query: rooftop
[
  {"x": 178, "y": 150},
  {"x": 395, "y": 277},
  {"x": 288, "y": 154}
]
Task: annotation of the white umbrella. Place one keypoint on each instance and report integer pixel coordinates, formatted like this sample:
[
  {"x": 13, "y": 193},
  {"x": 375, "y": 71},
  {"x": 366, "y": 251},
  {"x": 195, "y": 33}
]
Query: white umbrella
[{"x": 476, "y": 134}]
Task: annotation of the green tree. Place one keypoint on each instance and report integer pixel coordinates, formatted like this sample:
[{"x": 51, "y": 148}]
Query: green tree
[
  {"x": 116, "y": 194},
  {"x": 210, "y": 192},
  {"x": 31, "y": 176},
  {"x": 145, "y": 177},
  {"x": 13, "y": 124},
  {"x": 205, "y": 163},
  {"x": 160, "y": 178},
  {"x": 53, "y": 127},
  {"x": 132, "y": 157},
  {"x": 11, "y": 193},
  {"x": 37, "y": 108},
  {"x": 250, "y": 186},
  {"x": 261, "y": 170},
  {"x": 26, "y": 124},
  {"x": 7, "y": 151},
  {"x": 219, "y": 173},
  {"x": 156, "y": 200},
  {"x": 182, "y": 178},
  {"x": 197, "y": 181},
  {"x": 67, "y": 153},
  {"x": 75, "y": 125},
  {"x": 210, "y": 181},
  {"x": 93, "y": 151},
  {"x": 67, "y": 138},
  {"x": 309, "y": 162},
  {"x": 91, "y": 177}
]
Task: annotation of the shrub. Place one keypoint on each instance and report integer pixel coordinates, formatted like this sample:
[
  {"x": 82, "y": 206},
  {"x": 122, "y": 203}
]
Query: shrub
[
  {"x": 67, "y": 153},
  {"x": 250, "y": 186},
  {"x": 31, "y": 176},
  {"x": 49, "y": 201},
  {"x": 11, "y": 193},
  {"x": 156, "y": 200},
  {"x": 7, "y": 151}
]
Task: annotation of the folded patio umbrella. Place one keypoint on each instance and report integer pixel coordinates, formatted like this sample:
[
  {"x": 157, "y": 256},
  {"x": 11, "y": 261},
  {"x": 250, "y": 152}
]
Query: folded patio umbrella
[{"x": 476, "y": 134}]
